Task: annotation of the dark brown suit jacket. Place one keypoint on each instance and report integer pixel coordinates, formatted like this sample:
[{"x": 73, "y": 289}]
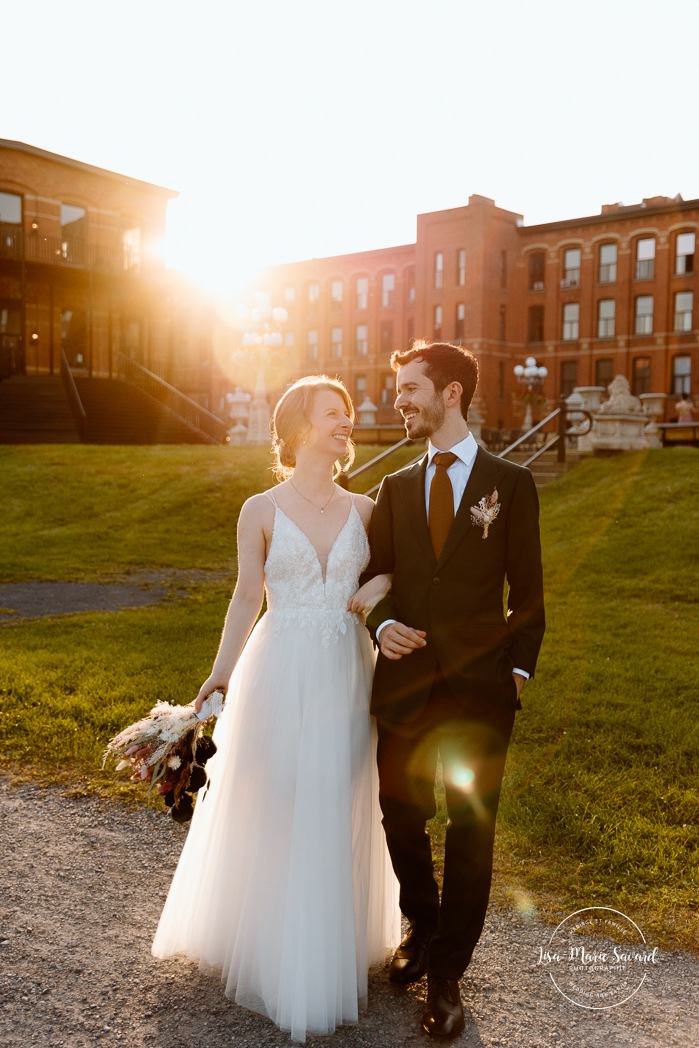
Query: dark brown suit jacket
[{"x": 473, "y": 637}]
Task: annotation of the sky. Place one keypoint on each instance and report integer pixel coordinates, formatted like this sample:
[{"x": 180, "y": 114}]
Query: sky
[{"x": 304, "y": 128}]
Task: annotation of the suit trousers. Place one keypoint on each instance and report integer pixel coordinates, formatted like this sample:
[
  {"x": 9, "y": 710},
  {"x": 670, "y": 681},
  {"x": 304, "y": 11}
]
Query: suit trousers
[{"x": 471, "y": 739}]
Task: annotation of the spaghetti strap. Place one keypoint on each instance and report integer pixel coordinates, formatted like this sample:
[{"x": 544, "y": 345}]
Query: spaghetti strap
[{"x": 270, "y": 496}]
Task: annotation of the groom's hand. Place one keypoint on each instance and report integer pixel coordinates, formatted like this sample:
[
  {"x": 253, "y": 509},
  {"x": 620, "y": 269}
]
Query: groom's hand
[{"x": 397, "y": 640}]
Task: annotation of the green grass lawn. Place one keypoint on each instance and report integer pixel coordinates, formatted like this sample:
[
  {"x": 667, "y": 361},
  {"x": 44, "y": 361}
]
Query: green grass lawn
[{"x": 601, "y": 802}]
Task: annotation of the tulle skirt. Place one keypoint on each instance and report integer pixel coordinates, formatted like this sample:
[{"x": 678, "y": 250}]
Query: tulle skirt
[{"x": 284, "y": 884}]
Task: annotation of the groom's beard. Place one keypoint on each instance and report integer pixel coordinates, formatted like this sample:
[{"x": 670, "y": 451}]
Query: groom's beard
[{"x": 428, "y": 419}]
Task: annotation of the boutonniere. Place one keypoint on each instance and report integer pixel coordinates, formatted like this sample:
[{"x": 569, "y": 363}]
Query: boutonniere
[{"x": 483, "y": 515}]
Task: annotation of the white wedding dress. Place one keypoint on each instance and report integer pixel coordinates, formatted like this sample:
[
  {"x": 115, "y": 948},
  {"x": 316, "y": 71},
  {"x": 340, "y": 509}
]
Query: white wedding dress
[{"x": 284, "y": 884}]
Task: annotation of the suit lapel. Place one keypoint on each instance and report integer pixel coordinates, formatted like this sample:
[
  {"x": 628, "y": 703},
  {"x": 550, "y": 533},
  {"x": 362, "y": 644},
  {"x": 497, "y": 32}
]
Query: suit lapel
[
  {"x": 481, "y": 482},
  {"x": 413, "y": 510}
]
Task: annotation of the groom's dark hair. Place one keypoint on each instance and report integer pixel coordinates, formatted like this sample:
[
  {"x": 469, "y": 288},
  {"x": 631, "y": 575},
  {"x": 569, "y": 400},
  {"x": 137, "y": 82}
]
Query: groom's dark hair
[{"x": 445, "y": 364}]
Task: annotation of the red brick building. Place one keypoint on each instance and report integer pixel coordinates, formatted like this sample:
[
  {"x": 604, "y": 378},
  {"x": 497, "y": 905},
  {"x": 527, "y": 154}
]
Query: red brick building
[
  {"x": 589, "y": 297},
  {"x": 80, "y": 273}
]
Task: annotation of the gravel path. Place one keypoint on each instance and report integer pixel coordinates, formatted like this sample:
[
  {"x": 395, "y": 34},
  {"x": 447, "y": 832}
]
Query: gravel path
[
  {"x": 41, "y": 599},
  {"x": 84, "y": 880}
]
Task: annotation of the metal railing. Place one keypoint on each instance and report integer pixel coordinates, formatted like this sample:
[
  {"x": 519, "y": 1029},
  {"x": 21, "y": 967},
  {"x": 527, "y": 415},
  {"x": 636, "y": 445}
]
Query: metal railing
[
  {"x": 76, "y": 404},
  {"x": 78, "y": 254},
  {"x": 538, "y": 436},
  {"x": 199, "y": 418}
]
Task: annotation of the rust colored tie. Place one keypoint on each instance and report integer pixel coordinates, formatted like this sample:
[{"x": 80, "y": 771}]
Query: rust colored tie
[{"x": 441, "y": 501}]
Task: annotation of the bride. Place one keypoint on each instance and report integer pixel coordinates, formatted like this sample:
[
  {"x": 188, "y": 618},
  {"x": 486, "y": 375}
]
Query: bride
[{"x": 284, "y": 884}]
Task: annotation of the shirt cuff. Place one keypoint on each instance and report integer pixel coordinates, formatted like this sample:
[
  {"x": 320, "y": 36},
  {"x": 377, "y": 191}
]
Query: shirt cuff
[
  {"x": 522, "y": 673},
  {"x": 386, "y": 622}
]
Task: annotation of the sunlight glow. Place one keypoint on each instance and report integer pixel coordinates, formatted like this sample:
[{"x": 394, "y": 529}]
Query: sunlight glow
[{"x": 464, "y": 778}]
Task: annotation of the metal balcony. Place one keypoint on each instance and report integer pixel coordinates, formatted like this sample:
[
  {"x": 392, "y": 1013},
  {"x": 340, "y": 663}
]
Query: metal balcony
[{"x": 72, "y": 254}]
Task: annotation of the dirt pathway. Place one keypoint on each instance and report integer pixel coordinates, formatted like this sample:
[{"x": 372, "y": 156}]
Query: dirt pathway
[{"x": 82, "y": 887}]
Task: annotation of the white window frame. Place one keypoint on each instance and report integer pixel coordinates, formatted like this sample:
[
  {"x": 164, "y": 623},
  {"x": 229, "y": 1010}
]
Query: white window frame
[{"x": 571, "y": 322}]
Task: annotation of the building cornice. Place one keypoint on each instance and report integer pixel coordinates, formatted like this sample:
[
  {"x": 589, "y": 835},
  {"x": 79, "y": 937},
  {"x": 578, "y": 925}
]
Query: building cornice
[
  {"x": 631, "y": 212},
  {"x": 56, "y": 158}
]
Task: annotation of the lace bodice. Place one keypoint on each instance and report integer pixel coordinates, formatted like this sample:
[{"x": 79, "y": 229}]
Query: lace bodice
[{"x": 298, "y": 593}]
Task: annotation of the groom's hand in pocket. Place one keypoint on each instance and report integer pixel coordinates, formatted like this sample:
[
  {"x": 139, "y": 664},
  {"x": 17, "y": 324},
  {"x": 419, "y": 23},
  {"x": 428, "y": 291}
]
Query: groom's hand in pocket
[{"x": 397, "y": 640}]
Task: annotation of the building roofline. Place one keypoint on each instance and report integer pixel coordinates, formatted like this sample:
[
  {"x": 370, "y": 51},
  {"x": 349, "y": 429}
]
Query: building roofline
[
  {"x": 44, "y": 154},
  {"x": 616, "y": 213},
  {"x": 376, "y": 251}
]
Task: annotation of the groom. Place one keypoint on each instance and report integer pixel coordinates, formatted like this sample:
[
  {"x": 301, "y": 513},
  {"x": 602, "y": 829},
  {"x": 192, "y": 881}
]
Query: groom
[{"x": 455, "y": 530}]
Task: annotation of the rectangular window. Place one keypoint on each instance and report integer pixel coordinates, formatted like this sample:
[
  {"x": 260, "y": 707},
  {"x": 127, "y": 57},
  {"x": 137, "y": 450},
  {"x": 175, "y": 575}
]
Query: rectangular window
[
  {"x": 387, "y": 336},
  {"x": 645, "y": 258},
  {"x": 461, "y": 267},
  {"x": 289, "y": 340},
  {"x": 643, "y": 317},
  {"x": 336, "y": 343},
  {"x": 571, "y": 321},
  {"x": 359, "y": 388},
  {"x": 640, "y": 376},
  {"x": 607, "y": 264},
  {"x": 501, "y": 379},
  {"x": 606, "y": 317},
  {"x": 388, "y": 389},
  {"x": 362, "y": 292},
  {"x": 604, "y": 371},
  {"x": 312, "y": 344},
  {"x": 410, "y": 330},
  {"x": 684, "y": 258},
  {"x": 313, "y": 292},
  {"x": 410, "y": 286},
  {"x": 361, "y": 340},
  {"x": 388, "y": 287},
  {"x": 535, "y": 324},
  {"x": 438, "y": 314},
  {"x": 73, "y": 233},
  {"x": 10, "y": 225},
  {"x": 438, "y": 270},
  {"x": 682, "y": 375},
  {"x": 537, "y": 265},
  {"x": 571, "y": 267},
  {"x": 289, "y": 294},
  {"x": 460, "y": 323},
  {"x": 503, "y": 269},
  {"x": 131, "y": 248},
  {"x": 10, "y": 209},
  {"x": 503, "y": 322},
  {"x": 684, "y": 304},
  {"x": 336, "y": 292},
  {"x": 569, "y": 377}
]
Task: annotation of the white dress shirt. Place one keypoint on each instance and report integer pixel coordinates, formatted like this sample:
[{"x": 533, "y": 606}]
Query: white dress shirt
[{"x": 458, "y": 473}]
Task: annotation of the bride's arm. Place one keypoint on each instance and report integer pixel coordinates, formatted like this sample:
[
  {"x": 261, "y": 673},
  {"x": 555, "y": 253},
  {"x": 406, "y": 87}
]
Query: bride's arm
[
  {"x": 369, "y": 595},
  {"x": 247, "y": 597},
  {"x": 373, "y": 591}
]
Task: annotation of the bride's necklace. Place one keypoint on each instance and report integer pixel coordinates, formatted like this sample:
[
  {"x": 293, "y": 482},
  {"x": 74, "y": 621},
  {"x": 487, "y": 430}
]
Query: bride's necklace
[{"x": 325, "y": 504}]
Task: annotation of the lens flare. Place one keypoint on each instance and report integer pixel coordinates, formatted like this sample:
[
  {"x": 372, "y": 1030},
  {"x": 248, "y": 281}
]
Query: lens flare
[{"x": 464, "y": 778}]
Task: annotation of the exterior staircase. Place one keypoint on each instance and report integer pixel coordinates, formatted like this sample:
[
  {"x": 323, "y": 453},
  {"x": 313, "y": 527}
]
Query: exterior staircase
[
  {"x": 36, "y": 411},
  {"x": 116, "y": 412},
  {"x": 547, "y": 467}
]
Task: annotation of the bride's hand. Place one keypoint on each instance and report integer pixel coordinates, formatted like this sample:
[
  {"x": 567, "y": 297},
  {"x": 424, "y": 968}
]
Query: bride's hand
[
  {"x": 210, "y": 685},
  {"x": 369, "y": 595}
]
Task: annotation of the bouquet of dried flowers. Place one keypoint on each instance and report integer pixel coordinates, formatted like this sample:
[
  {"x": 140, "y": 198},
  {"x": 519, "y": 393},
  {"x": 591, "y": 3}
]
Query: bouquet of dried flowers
[{"x": 167, "y": 750}]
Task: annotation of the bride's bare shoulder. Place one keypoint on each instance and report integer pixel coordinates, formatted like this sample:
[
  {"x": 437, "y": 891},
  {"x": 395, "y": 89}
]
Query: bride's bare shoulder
[
  {"x": 365, "y": 507},
  {"x": 258, "y": 509}
]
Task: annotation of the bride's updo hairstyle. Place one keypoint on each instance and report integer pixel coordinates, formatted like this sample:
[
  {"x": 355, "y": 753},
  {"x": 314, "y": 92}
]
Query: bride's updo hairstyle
[{"x": 291, "y": 421}]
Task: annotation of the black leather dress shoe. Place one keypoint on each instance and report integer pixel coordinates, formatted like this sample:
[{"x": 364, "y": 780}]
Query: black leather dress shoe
[
  {"x": 444, "y": 1014},
  {"x": 410, "y": 959}
]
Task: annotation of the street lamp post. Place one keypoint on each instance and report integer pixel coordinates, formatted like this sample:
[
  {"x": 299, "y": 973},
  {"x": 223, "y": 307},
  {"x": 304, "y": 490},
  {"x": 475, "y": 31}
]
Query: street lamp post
[
  {"x": 262, "y": 336},
  {"x": 530, "y": 375}
]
